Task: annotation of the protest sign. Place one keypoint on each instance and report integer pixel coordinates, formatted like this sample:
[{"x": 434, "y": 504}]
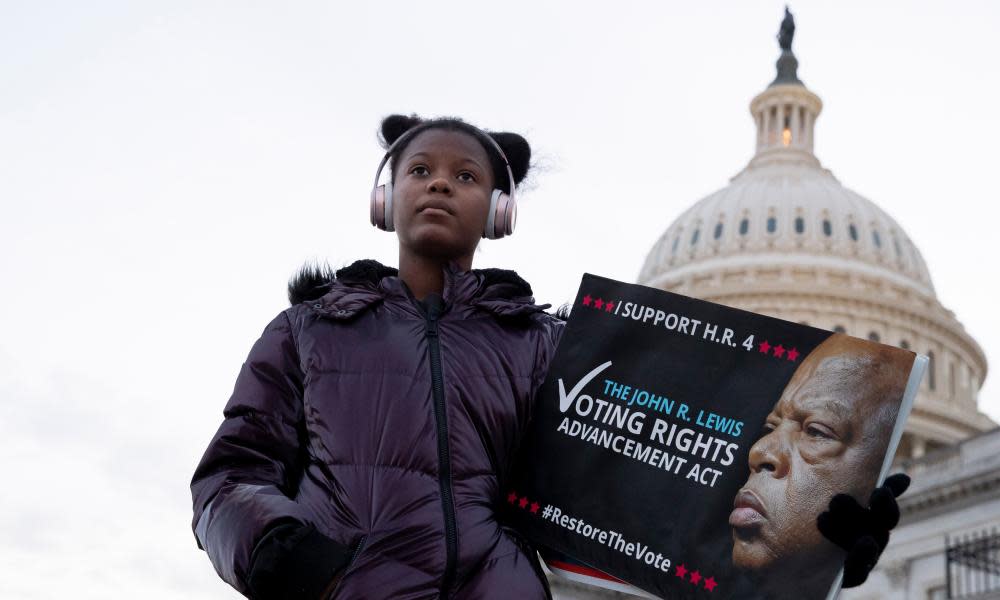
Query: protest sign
[{"x": 686, "y": 448}]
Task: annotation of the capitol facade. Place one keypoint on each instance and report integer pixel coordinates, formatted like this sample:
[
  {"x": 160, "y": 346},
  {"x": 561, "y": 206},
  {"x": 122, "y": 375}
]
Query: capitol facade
[{"x": 786, "y": 238}]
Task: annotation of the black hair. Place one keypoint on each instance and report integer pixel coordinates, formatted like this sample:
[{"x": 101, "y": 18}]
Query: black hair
[{"x": 514, "y": 146}]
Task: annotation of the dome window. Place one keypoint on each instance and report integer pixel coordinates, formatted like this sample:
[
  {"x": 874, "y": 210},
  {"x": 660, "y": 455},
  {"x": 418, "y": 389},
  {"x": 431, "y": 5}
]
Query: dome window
[
  {"x": 899, "y": 251},
  {"x": 873, "y": 336},
  {"x": 744, "y": 226},
  {"x": 800, "y": 225},
  {"x": 827, "y": 228},
  {"x": 772, "y": 224},
  {"x": 839, "y": 329},
  {"x": 853, "y": 231},
  {"x": 905, "y": 345},
  {"x": 673, "y": 250},
  {"x": 694, "y": 237},
  {"x": 718, "y": 230},
  {"x": 876, "y": 239}
]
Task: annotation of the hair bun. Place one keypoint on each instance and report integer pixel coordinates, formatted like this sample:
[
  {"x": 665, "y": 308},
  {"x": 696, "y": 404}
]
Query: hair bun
[
  {"x": 395, "y": 126},
  {"x": 517, "y": 151}
]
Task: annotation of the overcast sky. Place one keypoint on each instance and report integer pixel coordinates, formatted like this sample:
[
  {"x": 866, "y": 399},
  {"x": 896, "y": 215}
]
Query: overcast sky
[{"x": 165, "y": 166}]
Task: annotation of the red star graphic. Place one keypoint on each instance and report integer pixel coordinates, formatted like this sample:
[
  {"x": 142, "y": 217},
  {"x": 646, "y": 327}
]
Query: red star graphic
[
  {"x": 764, "y": 347},
  {"x": 512, "y": 497},
  {"x": 586, "y": 300},
  {"x": 792, "y": 354},
  {"x": 534, "y": 507},
  {"x": 610, "y": 306},
  {"x": 778, "y": 350},
  {"x": 681, "y": 571},
  {"x": 598, "y": 304},
  {"x": 523, "y": 502},
  {"x": 710, "y": 584},
  {"x": 695, "y": 577}
]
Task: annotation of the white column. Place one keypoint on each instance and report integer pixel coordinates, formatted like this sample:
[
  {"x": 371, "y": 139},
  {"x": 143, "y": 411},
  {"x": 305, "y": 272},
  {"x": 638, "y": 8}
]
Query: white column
[
  {"x": 767, "y": 127},
  {"x": 781, "y": 124},
  {"x": 758, "y": 120},
  {"x": 795, "y": 126},
  {"x": 809, "y": 130}
]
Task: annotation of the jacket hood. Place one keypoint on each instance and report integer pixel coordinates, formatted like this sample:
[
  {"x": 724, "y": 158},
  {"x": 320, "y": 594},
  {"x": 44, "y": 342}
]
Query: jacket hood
[{"x": 344, "y": 292}]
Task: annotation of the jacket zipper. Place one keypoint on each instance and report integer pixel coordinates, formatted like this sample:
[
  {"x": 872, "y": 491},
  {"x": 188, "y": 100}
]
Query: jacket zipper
[{"x": 444, "y": 458}]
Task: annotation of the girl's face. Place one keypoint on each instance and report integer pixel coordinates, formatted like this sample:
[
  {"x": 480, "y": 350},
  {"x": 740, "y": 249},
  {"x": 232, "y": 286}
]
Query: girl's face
[{"x": 441, "y": 194}]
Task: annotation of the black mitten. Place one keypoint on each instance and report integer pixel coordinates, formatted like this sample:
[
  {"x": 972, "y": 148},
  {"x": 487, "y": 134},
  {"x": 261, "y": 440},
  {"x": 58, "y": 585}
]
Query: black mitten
[
  {"x": 293, "y": 561},
  {"x": 863, "y": 532}
]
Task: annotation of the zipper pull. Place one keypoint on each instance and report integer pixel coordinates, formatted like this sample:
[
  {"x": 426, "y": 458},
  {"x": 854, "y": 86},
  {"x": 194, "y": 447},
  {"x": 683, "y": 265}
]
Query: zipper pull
[{"x": 435, "y": 306}]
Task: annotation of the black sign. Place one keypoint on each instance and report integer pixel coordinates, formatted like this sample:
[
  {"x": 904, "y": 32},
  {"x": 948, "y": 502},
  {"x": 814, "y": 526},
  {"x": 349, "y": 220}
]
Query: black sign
[{"x": 687, "y": 448}]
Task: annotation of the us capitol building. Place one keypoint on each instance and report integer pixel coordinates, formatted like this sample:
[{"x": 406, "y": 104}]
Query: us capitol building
[{"x": 785, "y": 238}]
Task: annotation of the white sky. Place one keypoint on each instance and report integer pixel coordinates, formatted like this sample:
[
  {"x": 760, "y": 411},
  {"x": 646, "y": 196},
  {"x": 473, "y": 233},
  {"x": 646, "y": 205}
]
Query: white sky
[{"x": 165, "y": 166}]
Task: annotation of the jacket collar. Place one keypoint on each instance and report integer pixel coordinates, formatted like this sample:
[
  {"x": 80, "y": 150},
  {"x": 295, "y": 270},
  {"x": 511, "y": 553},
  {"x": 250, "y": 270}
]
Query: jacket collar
[{"x": 350, "y": 290}]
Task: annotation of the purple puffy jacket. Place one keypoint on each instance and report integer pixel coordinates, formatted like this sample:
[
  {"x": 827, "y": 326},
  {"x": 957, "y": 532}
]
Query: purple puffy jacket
[{"x": 388, "y": 427}]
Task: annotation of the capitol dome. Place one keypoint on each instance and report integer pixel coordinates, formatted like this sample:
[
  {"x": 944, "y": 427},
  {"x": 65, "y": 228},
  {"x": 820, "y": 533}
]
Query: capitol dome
[{"x": 787, "y": 239}]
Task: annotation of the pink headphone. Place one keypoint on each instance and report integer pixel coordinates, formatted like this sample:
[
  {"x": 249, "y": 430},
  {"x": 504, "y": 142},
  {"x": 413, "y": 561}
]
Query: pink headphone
[{"x": 503, "y": 207}]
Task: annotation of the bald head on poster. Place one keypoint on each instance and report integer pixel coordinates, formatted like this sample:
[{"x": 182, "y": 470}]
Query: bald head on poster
[{"x": 827, "y": 434}]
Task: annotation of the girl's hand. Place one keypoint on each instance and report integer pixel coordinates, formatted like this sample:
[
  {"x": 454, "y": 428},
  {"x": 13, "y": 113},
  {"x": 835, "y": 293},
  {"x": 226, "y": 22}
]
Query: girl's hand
[
  {"x": 863, "y": 532},
  {"x": 293, "y": 561}
]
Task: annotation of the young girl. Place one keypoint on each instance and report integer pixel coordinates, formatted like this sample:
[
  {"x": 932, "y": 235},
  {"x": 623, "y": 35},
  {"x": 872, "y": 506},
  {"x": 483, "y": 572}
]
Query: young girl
[
  {"x": 370, "y": 430},
  {"x": 365, "y": 447}
]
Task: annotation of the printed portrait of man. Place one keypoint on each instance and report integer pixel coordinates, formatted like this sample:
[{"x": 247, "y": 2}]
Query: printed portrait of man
[{"x": 827, "y": 434}]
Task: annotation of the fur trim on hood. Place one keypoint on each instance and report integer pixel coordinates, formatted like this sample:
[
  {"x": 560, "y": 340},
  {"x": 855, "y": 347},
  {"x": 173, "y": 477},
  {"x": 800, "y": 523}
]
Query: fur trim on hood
[
  {"x": 313, "y": 280},
  {"x": 310, "y": 282}
]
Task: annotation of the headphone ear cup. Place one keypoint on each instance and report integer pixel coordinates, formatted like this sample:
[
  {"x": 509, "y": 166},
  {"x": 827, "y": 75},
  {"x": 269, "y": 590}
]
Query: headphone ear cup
[
  {"x": 502, "y": 216},
  {"x": 390, "y": 225},
  {"x": 381, "y": 207},
  {"x": 375, "y": 204}
]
